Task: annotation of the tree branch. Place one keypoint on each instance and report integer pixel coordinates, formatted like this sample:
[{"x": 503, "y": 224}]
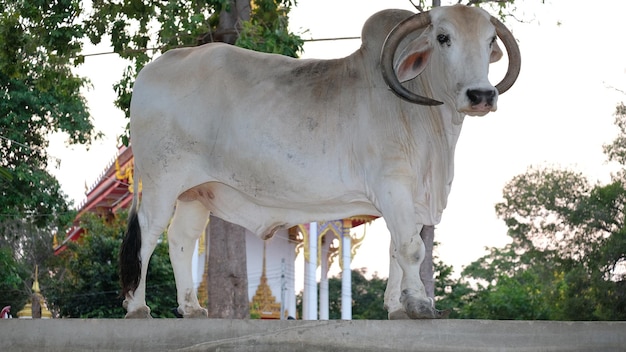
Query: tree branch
[
  {"x": 478, "y": 2},
  {"x": 417, "y": 7},
  {"x": 614, "y": 88}
]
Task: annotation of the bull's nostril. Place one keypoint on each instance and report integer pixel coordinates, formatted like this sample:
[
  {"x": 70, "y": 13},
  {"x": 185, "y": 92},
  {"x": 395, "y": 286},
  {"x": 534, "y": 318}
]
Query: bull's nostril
[
  {"x": 473, "y": 96},
  {"x": 478, "y": 96}
]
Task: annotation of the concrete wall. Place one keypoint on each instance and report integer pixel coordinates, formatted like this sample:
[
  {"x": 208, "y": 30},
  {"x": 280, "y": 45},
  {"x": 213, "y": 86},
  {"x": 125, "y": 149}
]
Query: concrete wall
[{"x": 327, "y": 336}]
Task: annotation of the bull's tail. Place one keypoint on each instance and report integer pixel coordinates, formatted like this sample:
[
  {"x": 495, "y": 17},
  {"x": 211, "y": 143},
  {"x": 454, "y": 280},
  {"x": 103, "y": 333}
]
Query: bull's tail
[{"x": 130, "y": 260}]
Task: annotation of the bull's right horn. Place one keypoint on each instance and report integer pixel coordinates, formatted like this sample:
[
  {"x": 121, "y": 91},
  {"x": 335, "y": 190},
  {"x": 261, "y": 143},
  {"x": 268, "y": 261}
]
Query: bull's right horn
[
  {"x": 397, "y": 34},
  {"x": 515, "y": 58}
]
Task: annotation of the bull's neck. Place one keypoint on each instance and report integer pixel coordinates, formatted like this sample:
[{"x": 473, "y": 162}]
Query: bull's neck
[
  {"x": 445, "y": 117},
  {"x": 445, "y": 123}
]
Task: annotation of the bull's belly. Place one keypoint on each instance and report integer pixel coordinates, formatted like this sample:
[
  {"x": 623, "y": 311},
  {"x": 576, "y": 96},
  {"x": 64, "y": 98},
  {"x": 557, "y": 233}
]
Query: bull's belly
[{"x": 263, "y": 213}]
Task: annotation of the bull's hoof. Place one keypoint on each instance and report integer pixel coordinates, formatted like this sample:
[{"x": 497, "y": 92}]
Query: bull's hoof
[
  {"x": 422, "y": 309},
  {"x": 398, "y": 315},
  {"x": 196, "y": 314},
  {"x": 141, "y": 313}
]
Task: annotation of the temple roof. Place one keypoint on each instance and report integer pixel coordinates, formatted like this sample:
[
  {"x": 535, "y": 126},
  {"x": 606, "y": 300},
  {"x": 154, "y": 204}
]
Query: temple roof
[{"x": 111, "y": 191}]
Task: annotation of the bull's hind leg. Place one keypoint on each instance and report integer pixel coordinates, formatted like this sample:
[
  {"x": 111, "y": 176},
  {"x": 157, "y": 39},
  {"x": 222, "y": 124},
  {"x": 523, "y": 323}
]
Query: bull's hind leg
[
  {"x": 151, "y": 223},
  {"x": 190, "y": 219}
]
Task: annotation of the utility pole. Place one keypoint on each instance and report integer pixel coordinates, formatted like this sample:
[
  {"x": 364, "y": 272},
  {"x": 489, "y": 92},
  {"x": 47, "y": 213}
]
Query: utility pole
[{"x": 283, "y": 288}]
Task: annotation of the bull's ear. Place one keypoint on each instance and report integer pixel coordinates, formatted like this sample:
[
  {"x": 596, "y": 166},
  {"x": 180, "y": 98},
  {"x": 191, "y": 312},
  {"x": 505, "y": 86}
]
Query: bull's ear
[
  {"x": 413, "y": 59},
  {"x": 496, "y": 53}
]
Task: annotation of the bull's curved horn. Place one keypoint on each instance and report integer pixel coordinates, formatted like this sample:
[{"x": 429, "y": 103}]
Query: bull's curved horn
[
  {"x": 515, "y": 58},
  {"x": 397, "y": 34}
]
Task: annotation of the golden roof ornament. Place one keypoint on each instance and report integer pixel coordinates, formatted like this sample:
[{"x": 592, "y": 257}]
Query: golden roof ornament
[
  {"x": 36, "y": 308},
  {"x": 264, "y": 303}
]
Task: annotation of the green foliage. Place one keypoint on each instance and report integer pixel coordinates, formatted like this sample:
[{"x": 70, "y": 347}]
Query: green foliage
[
  {"x": 268, "y": 31},
  {"x": 567, "y": 258},
  {"x": 616, "y": 151},
  {"x": 142, "y": 30},
  {"x": 537, "y": 208},
  {"x": 518, "y": 297},
  {"x": 563, "y": 262},
  {"x": 85, "y": 283},
  {"x": 13, "y": 291},
  {"x": 24, "y": 246},
  {"x": 504, "y": 8},
  {"x": 450, "y": 294},
  {"x": 367, "y": 297},
  {"x": 139, "y": 30},
  {"x": 161, "y": 287},
  {"x": 39, "y": 94}
]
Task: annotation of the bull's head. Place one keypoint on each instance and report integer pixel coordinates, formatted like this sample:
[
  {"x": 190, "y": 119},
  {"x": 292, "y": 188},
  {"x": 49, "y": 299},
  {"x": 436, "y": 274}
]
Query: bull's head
[{"x": 463, "y": 39}]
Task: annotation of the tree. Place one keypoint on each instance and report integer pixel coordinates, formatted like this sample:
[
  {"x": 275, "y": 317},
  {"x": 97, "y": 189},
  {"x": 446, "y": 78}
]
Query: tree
[
  {"x": 450, "y": 294},
  {"x": 141, "y": 30},
  {"x": 227, "y": 276},
  {"x": 568, "y": 250},
  {"x": 40, "y": 95},
  {"x": 13, "y": 291},
  {"x": 616, "y": 151},
  {"x": 367, "y": 296},
  {"x": 262, "y": 27},
  {"x": 84, "y": 279},
  {"x": 265, "y": 29},
  {"x": 23, "y": 246},
  {"x": 427, "y": 269},
  {"x": 504, "y": 8}
]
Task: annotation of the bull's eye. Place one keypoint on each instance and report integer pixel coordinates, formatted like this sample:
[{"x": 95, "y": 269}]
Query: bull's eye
[
  {"x": 443, "y": 39},
  {"x": 493, "y": 40}
]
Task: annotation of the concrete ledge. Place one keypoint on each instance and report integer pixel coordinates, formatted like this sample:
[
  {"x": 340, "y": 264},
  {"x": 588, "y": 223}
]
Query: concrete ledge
[{"x": 327, "y": 336}]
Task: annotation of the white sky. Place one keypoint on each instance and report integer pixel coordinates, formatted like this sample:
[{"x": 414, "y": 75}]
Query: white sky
[{"x": 559, "y": 113}]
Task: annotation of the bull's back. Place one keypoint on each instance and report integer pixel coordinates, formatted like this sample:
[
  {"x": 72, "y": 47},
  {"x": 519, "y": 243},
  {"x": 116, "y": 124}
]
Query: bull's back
[{"x": 246, "y": 119}]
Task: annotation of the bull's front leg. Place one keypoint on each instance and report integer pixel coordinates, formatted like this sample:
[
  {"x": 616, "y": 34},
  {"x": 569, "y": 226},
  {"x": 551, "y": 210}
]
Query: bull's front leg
[
  {"x": 392, "y": 292},
  {"x": 405, "y": 296},
  {"x": 407, "y": 254}
]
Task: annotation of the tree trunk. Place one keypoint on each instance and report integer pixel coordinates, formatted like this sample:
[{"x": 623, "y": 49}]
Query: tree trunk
[
  {"x": 230, "y": 21},
  {"x": 427, "y": 271},
  {"x": 227, "y": 271},
  {"x": 227, "y": 276}
]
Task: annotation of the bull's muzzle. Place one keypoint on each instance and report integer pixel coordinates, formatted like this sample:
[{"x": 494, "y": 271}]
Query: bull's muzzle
[
  {"x": 479, "y": 102},
  {"x": 481, "y": 96}
]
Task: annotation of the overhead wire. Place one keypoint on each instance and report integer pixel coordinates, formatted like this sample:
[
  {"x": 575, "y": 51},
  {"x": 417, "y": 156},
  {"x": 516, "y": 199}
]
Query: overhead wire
[{"x": 159, "y": 48}]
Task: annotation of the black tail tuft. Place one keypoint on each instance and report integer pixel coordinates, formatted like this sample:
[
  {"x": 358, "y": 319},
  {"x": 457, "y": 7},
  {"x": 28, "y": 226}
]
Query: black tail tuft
[{"x": 130, "y": 262}]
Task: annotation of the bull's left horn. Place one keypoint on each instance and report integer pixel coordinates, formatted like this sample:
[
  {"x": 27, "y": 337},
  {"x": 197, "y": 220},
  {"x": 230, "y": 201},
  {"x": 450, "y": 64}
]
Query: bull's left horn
[
  {"x": 515, "y": 58},
  {"x": 397, "y": 34}
]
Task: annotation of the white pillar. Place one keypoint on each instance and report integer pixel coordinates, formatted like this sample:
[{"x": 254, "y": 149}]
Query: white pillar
[
  {"x": 324, "y": 307},
  {"x": 291, "y": 277},
  {"x": 309, "y": 304},
  {"x": 196, "y": 273},
  {"x": 346, "y": 274}
]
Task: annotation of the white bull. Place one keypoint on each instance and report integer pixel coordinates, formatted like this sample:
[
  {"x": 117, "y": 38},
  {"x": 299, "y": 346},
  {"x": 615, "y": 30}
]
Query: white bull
[{"x": 268, "y": 142}]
